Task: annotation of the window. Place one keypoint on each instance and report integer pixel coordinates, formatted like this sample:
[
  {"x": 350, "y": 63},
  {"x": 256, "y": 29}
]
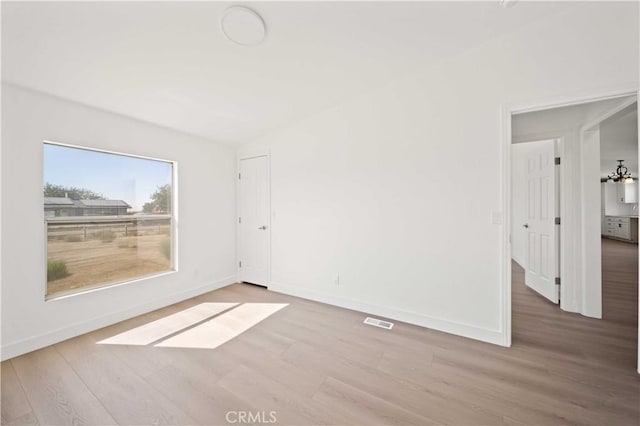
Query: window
[{"x": 108, "y": 218}]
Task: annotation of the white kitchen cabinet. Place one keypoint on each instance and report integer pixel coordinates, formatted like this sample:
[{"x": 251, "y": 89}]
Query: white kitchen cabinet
[
  {"x": 611, "y": 198},
  {"x": 612, "y": 205},
  {"x": 627, "y": 192},
  {"x": 621, "y": 228}
]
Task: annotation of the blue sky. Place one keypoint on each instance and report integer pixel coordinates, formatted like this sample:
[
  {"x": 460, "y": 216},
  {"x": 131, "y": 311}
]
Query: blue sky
[{"x": 117, "y": 177}]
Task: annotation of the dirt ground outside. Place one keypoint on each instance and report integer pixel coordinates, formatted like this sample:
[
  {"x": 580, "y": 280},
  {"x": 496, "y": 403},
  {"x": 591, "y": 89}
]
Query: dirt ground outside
[{"x": 94, "y": 262}]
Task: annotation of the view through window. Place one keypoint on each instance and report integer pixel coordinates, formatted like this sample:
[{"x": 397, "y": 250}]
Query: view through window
[{"x": 108, "y": 218}]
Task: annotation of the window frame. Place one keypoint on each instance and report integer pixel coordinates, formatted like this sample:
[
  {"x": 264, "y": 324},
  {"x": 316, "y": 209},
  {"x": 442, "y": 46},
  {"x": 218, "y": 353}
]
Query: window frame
[{"x": 173, "y": 216}]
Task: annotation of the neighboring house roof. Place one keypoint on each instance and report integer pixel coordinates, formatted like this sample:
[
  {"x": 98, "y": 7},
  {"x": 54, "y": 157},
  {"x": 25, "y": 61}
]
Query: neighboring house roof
[
  {"x": 58, "y": 201},
  {"x": 104, "y": 203},
  {"x": 67, "y": 202}
]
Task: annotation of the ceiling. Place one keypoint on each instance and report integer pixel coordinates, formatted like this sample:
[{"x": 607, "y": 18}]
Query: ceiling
[
  {"x": 169, "y": 64},
  {"x": 529, "y": 126},
  {"x": 618, "y": 133}
]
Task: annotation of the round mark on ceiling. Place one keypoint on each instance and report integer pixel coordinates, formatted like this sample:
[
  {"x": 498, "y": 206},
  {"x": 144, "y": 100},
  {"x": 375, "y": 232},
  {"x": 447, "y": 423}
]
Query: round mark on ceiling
[{"x": 243, "y": 26}]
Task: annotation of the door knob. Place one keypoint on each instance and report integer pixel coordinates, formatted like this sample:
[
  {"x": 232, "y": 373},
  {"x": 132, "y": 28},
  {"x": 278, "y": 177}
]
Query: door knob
[
  {"x": 263, "y": 227},
  {"x": 526, "y": 225}
]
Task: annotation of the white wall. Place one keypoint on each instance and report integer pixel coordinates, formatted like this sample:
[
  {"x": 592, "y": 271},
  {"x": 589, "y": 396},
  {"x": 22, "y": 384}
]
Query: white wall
[
  {"x": 395, "y": 190},
  {"x": 206, "y": 204},
  {"x": 519, "y": 189}
]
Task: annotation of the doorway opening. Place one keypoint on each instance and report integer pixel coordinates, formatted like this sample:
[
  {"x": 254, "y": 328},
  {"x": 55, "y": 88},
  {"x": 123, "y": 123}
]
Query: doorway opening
[
  {"x": 576, "y": 126},
  {"x": 619, "y": 211}
]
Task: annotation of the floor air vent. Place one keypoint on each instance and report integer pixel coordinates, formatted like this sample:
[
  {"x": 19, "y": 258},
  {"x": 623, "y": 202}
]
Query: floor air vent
[{"x": 379, "y": 323}]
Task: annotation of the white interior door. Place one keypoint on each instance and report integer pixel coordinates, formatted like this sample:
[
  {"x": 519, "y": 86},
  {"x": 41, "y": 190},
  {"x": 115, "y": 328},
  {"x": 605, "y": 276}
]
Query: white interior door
[
  {"x": 253, "y": 221},
  {"x": 542, "y": 244}
]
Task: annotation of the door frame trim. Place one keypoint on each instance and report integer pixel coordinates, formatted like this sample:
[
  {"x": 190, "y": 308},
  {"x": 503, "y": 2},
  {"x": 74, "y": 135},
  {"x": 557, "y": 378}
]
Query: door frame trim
[
  {"x": 591, "y": 290},
  {"x": 247, "y": 155},
  {"x": 505, "y": 113}
]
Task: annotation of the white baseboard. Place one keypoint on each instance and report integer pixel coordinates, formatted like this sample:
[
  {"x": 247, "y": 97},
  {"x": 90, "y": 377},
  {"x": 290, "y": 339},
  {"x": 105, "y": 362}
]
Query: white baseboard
[
  {"x": 33, "y": 343},
  {"x": 478, "y": 333},
  {"x": 520, "y": 262}
]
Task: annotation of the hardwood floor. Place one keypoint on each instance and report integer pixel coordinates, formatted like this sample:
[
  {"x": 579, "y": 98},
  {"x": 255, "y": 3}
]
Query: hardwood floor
[{"x": 310, "y": 363}]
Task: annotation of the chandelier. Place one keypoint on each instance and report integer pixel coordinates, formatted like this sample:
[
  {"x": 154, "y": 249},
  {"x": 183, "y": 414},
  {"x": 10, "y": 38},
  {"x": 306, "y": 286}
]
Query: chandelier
[{"x": 621, "y": 174}]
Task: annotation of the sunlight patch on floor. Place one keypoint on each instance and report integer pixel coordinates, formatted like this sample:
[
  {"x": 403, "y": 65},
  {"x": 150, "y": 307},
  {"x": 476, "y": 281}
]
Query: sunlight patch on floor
[
  {"x": 166, "y": 326},
  {"x": 204, "y": 326},
  {"x": 221, "y": 329}
]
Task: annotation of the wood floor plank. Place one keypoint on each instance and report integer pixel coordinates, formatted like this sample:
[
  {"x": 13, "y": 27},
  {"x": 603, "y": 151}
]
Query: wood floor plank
[
  {"x": 57, "y": 394},
  {"x": 391, "y": 341},
  {"x": 267, "y": 340},
  {"x": 365, "y": 406},
  {"x": 266, "y": 395},
  {"x": 144, "y": 360},
  {"x": 14, "y": 405},
  {"x": 551, "y": 396},
  {"x": 297, "y": 378},
  {"x": 27, "y": 419},
  {"x": 130, "y": 399},
  {"x": 462, "y": 390},
  {"x": 201, "y": 362},
  {"x": 425, "y": 400},
  {"x": 197, "y": 395},
  {"x": 339, "y": 343}
]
